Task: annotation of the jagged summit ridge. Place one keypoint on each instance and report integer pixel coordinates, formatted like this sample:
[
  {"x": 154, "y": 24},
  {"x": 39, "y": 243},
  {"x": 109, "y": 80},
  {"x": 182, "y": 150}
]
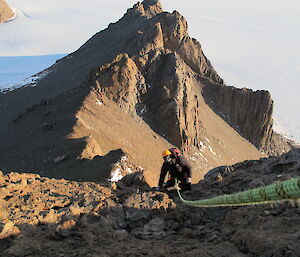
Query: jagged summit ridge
[{"x": 148, "y": 8}]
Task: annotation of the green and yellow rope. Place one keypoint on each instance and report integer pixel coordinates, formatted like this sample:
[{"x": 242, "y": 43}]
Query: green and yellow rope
[{"x": 286, "y": 190}]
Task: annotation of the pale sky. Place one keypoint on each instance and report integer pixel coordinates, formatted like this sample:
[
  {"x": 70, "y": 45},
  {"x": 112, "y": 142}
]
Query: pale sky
[{"x": 251, "y": 43}]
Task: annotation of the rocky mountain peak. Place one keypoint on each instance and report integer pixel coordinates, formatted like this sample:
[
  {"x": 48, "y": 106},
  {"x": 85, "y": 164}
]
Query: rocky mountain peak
[
  {"x": 6, "y": 13},
  {"x": 148, "y": 9},
  {"x": 152, "y": 6},
  {"x": 140, "y": 86}
]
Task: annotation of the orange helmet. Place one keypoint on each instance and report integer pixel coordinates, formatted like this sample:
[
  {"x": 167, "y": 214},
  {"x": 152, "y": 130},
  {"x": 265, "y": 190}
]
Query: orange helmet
[{"x": 166, "y": 153}]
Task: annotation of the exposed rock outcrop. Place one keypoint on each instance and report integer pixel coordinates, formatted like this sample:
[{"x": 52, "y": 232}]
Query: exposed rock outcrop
[
  {"x": 6, "y": 13},
  {"x": 247, "y": 111},
  {"x": 266, "y": 169}
]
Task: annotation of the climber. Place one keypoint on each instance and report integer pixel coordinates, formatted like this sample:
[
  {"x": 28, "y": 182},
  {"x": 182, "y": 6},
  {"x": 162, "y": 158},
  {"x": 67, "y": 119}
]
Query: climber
[{"x": 178, "y": 168}]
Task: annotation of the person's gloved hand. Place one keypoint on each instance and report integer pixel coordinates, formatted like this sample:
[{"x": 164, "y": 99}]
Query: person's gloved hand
[
  {"x": 188, "y": 180},
  {"x": 188, "y": 184}
]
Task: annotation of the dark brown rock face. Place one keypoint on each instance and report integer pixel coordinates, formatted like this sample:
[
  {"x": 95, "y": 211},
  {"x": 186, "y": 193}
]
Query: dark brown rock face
[
  {"x": 250, "y": 113},
  {"x": 6, "y": 12},
  {"x": 177, "y": 40},
  {"x": 174, "y": 101},
  {"x": 164, "y": 96},
  {"x": 247, "y": 111}
]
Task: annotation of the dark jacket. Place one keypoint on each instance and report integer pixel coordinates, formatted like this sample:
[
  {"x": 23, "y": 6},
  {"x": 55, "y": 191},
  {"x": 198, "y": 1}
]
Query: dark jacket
[{"x": 180, "y": 170}]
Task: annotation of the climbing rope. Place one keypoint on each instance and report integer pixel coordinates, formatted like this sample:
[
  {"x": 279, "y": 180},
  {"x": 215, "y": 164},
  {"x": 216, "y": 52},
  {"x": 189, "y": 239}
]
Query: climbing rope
[{"x": 286, "y": 190}]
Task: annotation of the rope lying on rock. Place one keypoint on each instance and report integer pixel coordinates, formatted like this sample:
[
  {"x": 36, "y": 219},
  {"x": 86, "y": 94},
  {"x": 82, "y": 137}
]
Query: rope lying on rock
[{"x": 286, "y": 190}]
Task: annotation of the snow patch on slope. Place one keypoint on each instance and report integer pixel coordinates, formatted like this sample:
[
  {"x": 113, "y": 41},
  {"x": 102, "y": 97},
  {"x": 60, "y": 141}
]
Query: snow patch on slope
[{"x": 28, "y": 82}]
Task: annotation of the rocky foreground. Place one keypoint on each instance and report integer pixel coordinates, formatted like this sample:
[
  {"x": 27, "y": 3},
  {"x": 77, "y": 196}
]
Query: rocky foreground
[{"x": 56, "y": 217}]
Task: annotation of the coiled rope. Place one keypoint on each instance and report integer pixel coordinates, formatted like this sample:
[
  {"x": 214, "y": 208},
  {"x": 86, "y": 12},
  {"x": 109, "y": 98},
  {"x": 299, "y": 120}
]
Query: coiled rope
[{"x": 286, "y": 190}]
